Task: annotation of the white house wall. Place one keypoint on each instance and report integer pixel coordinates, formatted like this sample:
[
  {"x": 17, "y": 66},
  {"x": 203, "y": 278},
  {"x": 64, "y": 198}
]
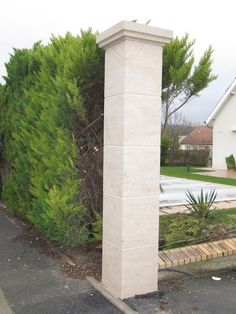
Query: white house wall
[{"x": 224, "y": 134}]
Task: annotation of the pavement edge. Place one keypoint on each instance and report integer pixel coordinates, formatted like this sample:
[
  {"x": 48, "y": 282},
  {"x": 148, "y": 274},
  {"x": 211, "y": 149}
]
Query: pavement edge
[
  {"x": 123, "y": 307},
  {"x": 4, "y": 306}
]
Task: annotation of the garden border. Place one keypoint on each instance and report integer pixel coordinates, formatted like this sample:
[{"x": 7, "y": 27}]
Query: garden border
[{"x": 196, "y": 253}]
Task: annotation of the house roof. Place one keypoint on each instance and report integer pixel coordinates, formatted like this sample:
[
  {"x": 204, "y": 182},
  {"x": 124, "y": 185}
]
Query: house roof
[
  {"x": 201, "y": 135},
  {"x": 231, "y": 90}
]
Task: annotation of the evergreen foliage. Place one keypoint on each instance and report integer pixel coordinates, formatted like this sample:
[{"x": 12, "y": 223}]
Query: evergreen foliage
[
  {"x": 182, "y": 79},
  {"x": 165, "y": 146},
  {"x": 43, "y": 96}
]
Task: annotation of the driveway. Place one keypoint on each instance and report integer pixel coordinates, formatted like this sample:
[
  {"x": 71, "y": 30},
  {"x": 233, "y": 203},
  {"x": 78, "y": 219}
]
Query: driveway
[
  {"x": 31, "y": 283},
  {"x": 175, "y": 189},
  {"x": 201, "y": 295}
]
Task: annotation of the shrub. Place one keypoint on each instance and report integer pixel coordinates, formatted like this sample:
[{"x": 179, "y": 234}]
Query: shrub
[
  {"x": 201, "y": 205},
  {"x": 46, "y": 103},
  {"x": 182, "y": 231},
  {"x": 97, "y": 229},
  {"x": 165, "y": 146},
  {"x": 197, "y": 158}
]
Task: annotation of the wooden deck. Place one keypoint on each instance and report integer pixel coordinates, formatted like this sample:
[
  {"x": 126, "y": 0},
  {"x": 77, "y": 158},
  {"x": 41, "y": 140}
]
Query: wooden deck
[{"x": 196, "y": 253}]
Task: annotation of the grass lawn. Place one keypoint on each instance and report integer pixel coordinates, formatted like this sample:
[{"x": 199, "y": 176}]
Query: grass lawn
[
  {"x": 181, "y": 172},
  {"x": 174, "y": 232}
]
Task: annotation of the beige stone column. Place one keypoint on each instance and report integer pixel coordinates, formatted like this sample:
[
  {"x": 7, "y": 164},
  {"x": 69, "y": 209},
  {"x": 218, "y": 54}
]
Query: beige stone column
[{"x": 133, "y": 75}]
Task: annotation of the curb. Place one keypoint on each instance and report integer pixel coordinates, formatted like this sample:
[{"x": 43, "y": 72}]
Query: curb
[
  {"x": 124, "y": 308},
  {"x": 4, "y": 306}
]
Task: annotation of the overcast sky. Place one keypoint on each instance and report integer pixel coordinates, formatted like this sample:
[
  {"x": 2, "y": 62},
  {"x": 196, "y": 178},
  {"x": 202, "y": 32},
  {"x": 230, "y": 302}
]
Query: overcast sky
[{"x": 210, "y": 22}]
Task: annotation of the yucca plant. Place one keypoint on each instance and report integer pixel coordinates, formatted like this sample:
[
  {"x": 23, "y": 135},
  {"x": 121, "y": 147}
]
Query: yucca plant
[{"x": 201, "y": 205}]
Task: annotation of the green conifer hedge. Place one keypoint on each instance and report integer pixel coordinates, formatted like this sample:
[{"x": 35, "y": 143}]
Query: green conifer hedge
[{"x": 45, "y": 104}]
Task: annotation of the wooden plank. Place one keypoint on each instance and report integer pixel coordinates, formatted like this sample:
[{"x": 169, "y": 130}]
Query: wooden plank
[
  {"x": 171, "y": 257},
  {"x": 225, "y": 248},
  {"x": 233, "y": 242},
  {"x": 187, "y": 258},
  {"x": 189, "y": 254},
  {"x": 184, "y": 256},
  {"x": 193, "y": 250},
  {"x": 207, "y": 253},
  {"x": 179, "y": 256},
  {"x": 194, "y": 253},
  {"x": 201, "y": 255},
  {"x": 213, "y": 252},
  {"x": 215, "y": 247},
  {"x": 230, "y": 245},
  {"x": 161, "y": 263},
  {"x": 228, "y": 241},
  {"x": 165, "y": 259}
]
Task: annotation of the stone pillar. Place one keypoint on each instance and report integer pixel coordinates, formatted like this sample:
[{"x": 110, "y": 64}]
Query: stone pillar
[{"x": 133, "y": 75}]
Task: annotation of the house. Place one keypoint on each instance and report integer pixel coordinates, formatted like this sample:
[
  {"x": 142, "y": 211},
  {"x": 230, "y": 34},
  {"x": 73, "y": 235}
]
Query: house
[
  {"x": 223, "y": 121},
  {"x": 200, "y": 138}
]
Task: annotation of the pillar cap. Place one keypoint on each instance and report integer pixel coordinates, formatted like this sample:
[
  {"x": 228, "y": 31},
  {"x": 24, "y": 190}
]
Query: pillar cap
[{"x": 134, "y": 31}]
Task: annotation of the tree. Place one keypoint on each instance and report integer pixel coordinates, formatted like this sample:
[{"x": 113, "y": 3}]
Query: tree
[
  {"x": 182, "y": 80},
  {"x": 165, "y": 146}
]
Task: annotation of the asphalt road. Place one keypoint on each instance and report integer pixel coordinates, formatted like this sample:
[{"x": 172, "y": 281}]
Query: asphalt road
[
  {"x": 202, "y": 295},
  {"x": 31, "y": 283}
]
